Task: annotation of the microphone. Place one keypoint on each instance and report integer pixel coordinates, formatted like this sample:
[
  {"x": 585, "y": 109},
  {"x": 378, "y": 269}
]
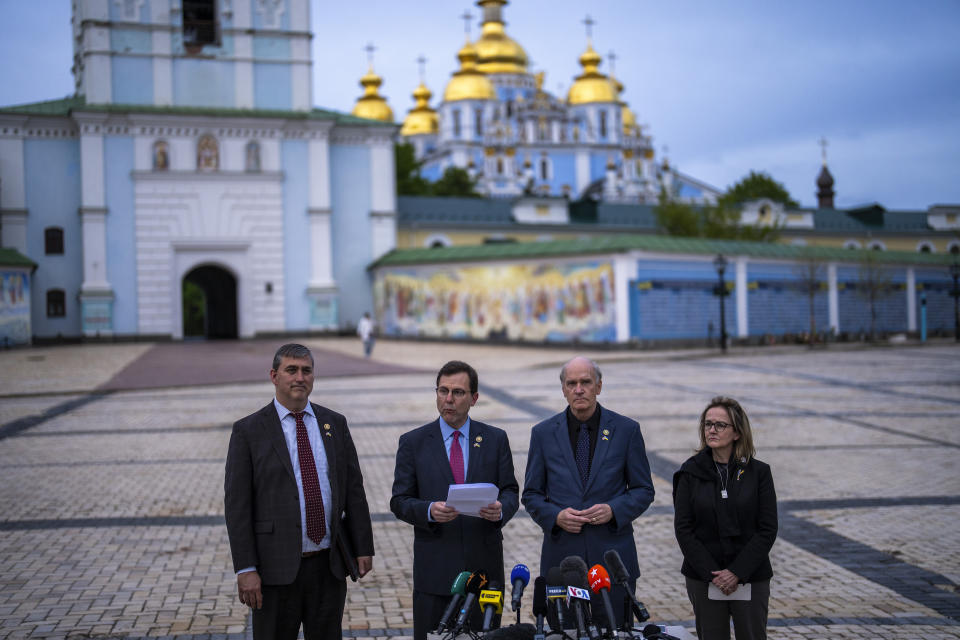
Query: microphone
[
  {"x": 557, "y": 594},
  {"x": 476, "y": 582},
  {"x": 600, "y": 583},
  {"x": 622, "y": 577},
  {"x": 492, "y": 602},
  {"x": 519, "y": 578},
  {"x": 654, "y": 632},
  {"x": 539, "y": 605},
  {"x": 578, "y": 598},
  {"x": 456, "y": 590}
]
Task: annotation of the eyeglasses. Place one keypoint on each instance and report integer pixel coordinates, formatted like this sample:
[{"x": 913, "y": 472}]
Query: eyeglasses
[
  {"x": 443, "y": 392},
  {"x": 719, "y": 427}
]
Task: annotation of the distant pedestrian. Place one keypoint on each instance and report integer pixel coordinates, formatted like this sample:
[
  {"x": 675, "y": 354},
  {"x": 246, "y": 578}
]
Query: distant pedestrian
[
  {"x": 365, "y": 331},
  {"x": 725, "y": 520}
]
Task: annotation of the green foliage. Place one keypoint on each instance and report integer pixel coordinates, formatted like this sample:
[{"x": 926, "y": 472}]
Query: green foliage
[
  {"x": 454, "y": 182},
  {"x": 720, "y": 221},
  {"x": 194, "y": 309},
  {"x": 755, "y": 186}
]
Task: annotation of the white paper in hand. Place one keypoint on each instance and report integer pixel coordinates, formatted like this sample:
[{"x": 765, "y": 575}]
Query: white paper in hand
[
  {"x": 742, "y": 593},
  {"x": 468, "y": 499}
]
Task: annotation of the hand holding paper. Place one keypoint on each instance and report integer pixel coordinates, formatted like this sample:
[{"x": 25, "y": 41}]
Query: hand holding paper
[{"x": 470, "y": 499}]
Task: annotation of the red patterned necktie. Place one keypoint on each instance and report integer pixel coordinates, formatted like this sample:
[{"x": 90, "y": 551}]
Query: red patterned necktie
[
  {"x": 456, "y": 458},
  {"x": 316, "y": 522}
]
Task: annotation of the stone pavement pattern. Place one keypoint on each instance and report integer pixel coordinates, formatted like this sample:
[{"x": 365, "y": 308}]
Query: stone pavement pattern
[{"x": 111, "y": 481}]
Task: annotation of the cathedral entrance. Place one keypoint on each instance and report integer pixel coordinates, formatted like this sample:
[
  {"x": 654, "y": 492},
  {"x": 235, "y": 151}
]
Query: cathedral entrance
[{"x": 209, "y": 296}]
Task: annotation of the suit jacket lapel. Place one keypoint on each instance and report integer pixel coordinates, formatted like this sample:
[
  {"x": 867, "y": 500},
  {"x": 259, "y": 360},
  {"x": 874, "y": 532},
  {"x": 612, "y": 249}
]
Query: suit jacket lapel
[
  {"x": 438, "y": 451},
  {"x": 327, "y": 441},
  {"x": 563, "y": 443},
  {"x": 477, "y": 454},
  {"x": 603, "y": 446},
  {"x": 275, "y": 434}
]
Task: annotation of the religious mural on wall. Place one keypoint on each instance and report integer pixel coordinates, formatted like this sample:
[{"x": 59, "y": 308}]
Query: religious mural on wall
[
  {"x": 535, "y": 302},
  {"x": 14, "y": 307}
]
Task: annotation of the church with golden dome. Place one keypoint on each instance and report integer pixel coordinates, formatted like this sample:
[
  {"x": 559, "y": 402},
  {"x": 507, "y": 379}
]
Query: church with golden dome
[{"x": 496, "y": 120}]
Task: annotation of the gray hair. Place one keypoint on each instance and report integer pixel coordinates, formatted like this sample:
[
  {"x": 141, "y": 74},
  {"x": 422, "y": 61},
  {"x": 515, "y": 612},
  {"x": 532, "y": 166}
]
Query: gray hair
[
  {"x": 291, "y": 350},
  {"x": 597, "y": 375}
]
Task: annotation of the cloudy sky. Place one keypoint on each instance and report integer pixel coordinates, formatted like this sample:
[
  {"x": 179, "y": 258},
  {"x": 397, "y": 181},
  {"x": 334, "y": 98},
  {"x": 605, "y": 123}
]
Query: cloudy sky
[{"x": 725, "y": 86}]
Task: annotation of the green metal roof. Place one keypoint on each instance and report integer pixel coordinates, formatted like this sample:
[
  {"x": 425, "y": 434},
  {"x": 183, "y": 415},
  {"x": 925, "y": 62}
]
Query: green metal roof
[
  {"x": 64, "y": 106},
  {"x": 13, "y": 258},
  {"x": 655, "y": 243}
]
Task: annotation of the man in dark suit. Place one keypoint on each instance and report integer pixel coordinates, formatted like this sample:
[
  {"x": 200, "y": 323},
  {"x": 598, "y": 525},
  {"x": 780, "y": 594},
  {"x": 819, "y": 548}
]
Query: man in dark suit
[
  {"x": 297, "y": 514},
  {"x": 587, "y": 478},
  {"x": 452, "y": 449}
]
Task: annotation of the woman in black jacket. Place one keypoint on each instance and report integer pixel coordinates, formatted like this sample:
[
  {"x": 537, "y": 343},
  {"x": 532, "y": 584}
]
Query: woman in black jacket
[{"x": 726, "y": 521}]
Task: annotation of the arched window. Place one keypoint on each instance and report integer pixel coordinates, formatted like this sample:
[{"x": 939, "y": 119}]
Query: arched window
[
  {"x": 876, "y": 245},
  {"x": 851, "y": 244},
  {"x": 208, "y": 153},
  {"x": 544, "y": 169},
  {"x": 252, "y": 160},
  {"x": 56, "y": 303},
  {"x": 478, "y": 121},
  {"x": 926, "y": 247},
  {"x": 53, "y": 241},
  {"x": 954, "y": 248},
  {"x": 456, "y": 123},
  {"x": 603, "y": 124},
  {"x": 161, "y": 156}
]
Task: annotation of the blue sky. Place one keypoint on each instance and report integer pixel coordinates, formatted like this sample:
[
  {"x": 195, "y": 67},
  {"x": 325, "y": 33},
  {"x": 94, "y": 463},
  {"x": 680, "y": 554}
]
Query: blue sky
[{"x": 727, "y": 87}]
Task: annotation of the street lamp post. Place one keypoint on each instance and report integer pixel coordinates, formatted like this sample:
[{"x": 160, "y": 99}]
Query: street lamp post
[
  {"x": 955, "y": 274},
  {"x": 720, "y": 263}
]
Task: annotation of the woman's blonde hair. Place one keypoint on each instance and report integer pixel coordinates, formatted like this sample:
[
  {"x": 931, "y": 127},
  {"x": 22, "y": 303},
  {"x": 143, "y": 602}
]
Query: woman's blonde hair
[{"x": 743, "y": 448}]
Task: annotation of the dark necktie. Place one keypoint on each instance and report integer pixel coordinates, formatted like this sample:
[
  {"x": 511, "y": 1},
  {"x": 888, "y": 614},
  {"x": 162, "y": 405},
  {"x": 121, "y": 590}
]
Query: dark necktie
[
  {"x": 456, "y": 458},
  {"x": 313, "y": 499},
  {"x": 582, "y": 454}
]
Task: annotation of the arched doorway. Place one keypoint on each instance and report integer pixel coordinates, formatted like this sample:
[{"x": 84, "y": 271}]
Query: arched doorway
[{"x": 209, "y": 297}]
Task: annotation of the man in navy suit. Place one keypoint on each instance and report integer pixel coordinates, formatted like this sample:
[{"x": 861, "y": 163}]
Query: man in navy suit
[
  {"x": 587, "y": 478},
  {"x": 452, "y": 449},
  {"x": 297, "y": 515}
]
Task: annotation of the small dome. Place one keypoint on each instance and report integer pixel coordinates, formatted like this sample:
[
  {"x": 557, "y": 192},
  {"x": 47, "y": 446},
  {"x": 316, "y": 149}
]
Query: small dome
[
  {"x": 591, "y": 85},
  {"x": 421, "y": 119},
  {"x": 496, "y": 51},
  {"x": 468, "y": 83},
  {"x": 371, "y": 104},
  {"x": 825, "y": 179}
]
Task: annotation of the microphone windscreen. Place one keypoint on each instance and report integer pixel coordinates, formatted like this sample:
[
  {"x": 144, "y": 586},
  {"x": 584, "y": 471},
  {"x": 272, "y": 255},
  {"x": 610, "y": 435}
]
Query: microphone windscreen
[
  {"x": 555, "y": 577},
  {"x": 540, "y": 596},
  {"x": 460, "y": 583},
  {"x": 574, "y": 571},
  {"x": 599, "y": 578},
  {"x": 651, "y": 631},
  {"x": 618, "y": 572},
  {"x": 520, "y": 572},
  {"x": 476, "y": 582}
]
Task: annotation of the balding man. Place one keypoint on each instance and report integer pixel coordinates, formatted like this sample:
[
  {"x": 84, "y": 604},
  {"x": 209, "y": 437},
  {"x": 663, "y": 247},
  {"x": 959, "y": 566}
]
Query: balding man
[{"x": 587, "y": 478}]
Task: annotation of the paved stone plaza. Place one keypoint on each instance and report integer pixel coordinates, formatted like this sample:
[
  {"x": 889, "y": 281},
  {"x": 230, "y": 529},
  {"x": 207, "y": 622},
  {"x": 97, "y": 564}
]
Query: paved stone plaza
[{"x": 111, "y": 477}]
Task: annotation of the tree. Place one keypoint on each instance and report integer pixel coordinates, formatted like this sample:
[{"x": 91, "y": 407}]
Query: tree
[
  {"x": 409, "y": 181},
  {"x": 873, "y": 284},
  {"x": 455, "y": 182},
  {"x": 720, "y": 221},
  {"x": 677, "y": 218},
  {"x": 755, "y": 186},
  {"x": 810, "y": 271}
]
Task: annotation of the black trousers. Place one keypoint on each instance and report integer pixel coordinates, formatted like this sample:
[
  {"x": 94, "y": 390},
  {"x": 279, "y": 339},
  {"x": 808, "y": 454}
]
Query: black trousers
[
  {"x": 315, "y": 599},
  {"x": 713, "y": 616},
  {"x": 428, "y": 608}
]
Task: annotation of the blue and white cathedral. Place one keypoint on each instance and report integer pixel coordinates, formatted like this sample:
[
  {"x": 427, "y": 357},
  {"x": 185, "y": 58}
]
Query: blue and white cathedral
[
  {"x": 514, "y": 138},
  {"x": 191, "y": 155}
]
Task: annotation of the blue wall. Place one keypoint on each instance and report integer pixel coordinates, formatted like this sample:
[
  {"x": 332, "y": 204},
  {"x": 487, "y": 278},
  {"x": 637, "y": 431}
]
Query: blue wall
[
  {"x": 350, "y": 185},
  {"x": 52, "y": 174},
  {"x": 272, "y": 86},
  {"x": 674, "y": 300},
  {"x": 203, "y": 83},
  {"x": 936, "y": 284},
  {"x": 121, "y": 232},
  {"x": 777, "y": 301},
  {"x": 131, "y": 81},
  {"x": 855, "y": 311},
  {"x": 296, "y": 233}
]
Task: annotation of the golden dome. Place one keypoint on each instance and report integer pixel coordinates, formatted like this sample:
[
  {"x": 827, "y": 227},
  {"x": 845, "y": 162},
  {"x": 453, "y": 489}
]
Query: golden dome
[
  {"x": 468, "y": 83},
  {"x": 591, "y": 85},
  {"x": 421, "y": 119},
  {"x": 372, "y": 105},
  {"x": 626, "y": 116},
  {"x": 496, "y": 51}
]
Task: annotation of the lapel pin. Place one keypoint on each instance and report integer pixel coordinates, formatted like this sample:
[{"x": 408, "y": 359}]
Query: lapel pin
[
  {"x": 606, "y": 432},
  {"x": 477, "y": 443},
  {"x": 326, "y": 429}
]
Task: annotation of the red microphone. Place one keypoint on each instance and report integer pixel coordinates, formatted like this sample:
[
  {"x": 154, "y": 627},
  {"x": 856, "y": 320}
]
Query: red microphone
[{"x": 600, "y": 583}]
